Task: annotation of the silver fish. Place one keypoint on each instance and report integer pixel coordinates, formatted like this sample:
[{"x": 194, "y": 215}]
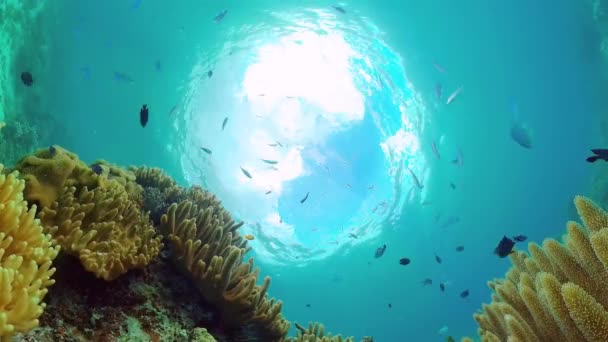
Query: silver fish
[
  {"x": 224, "y": 123},
  {"x": 453, "y": 95},
  {"x": 206, "y": 150},
  {"x": 246, "y": 173},
  {"x": 271, "y": 162},
  {"x": 416, "y": 180},
  {"x": 436, "y": 151}
]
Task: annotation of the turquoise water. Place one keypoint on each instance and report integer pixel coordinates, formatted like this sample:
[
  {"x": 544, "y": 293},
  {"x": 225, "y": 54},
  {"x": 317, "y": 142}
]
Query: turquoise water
[{"x": 351, "y": 99}]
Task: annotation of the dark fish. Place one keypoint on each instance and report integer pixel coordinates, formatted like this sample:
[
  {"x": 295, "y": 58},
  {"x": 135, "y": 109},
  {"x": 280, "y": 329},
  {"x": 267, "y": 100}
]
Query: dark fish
[
  {"x": 220, "y": 16},
  {"x": 143, "y": 115},
  {"x": 390, "y": 305},
  {"x": 172, "y": 110},
  {"x": 307, "y": 305},
  {"x": 353, "y": 235},
  {"x": 278, "y": 143},
  {"x": 97, "y": 169},
  {"x": 209, "y": 73},
  {"x": 271, "y": 162},
  {"x": 505, "y": 247},
  {"x": 246, "y": 173},
  {"x": 272, "y": 145},
  {"x": 464, "y": 294},
  {"x": 52, "y": 150},
  {"x": 427, "y": 282},
  {"x": 521, "y": 135},
  {"x": 459, "y": 248},
  {"x": 459, "y": 159},
  {"x": 436, "y": 151},
  {"x": 450, "y": 221},
  {"x": 380, "y": 251},
  {"x": 224, "y": 123},
  {"x": 305, "y": 198},
  {"x": 453, "y": 186},
  {"x": 339, "y": 9},
  {"x": 404, "y": 261},
  {"x": 600, "y": 153},
  {"x": 438, "y": 259},
  {"x": 268, "y": 192},
  {"x": 26, "y": 78},
  {"x": 520, "y": 238},
  {"x": 206, "y": 150},
  {"x": 442, "y": 287}
]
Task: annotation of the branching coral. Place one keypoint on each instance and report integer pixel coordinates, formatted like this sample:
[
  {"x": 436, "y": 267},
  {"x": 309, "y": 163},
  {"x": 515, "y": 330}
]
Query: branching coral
[
  {"x": 26, "y": 256},
  {"x": 211, "y": 251},
  {"x": 316, "y": 333},
  {"x": 557, "y": 293},
  {"x": 104, "y": 228}
]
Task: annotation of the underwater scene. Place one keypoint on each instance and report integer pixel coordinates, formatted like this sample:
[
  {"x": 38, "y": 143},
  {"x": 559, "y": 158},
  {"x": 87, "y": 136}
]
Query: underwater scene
[{"x": 304, "y": 171}]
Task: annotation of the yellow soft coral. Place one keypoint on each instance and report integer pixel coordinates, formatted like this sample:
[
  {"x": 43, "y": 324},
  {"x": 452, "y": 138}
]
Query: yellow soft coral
[
  {"x": 104, "y": 228},
  {"x": 558, "y": 292},
  {"x": 208, "y": 247},
  {"x": 26, "y": 256}
]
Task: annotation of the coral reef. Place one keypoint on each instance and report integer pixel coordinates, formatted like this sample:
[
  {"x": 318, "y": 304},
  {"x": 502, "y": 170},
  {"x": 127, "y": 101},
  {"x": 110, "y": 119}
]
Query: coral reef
[
  {"x": 102, "y": 227},
  {"x": 557, "y": 293},
  {"x": 316, "y": 333},
  {"x": 211, "y": 251},
  {"x": 26, "y": 256}
]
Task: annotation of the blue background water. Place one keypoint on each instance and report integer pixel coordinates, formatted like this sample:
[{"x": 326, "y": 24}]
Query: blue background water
[{"x": 535, "y": 55}]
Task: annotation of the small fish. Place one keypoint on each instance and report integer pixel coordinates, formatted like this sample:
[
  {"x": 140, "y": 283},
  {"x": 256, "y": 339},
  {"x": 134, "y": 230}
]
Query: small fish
[
  {"x": 272, "y": 167},
  {"x": 262, "y": 95},
  {"x": 307, "y": 305},
  {"x": 600, "y": 153},
  {"x": 97, "y": 169},
  {"x": 209, "y": 73},
  {"x": 143, "y": 115},
  {"x": 305, "y": 198},
  {"x": 121, "y": 76},
  {"x": 27, "y": 78},
  {"x": 246, "y": 173},
  {"x": 404, "y": 261},
  {"x": 353, "y": 235},
  {"x": 442, "y": 287},
  {"x": 380, "y": 251},
  {"x": 371, "y": 187},
  {"x": 453, "y": 186},
  {"x": 520, "y": 238},
  {"x": 268, "y": 192},
  {"x": 459, "y": 248},
  {"x": 278, "y": 143},
  {"x": 157, "y": 65},
  {"x": 505, "y": 247},
  {"x": 272, "y": 145},
  {"x": 249, "y": 237},
  {"x": 339, "y": 9},
  {"x": 427, "y": 282},
  {"x": 348, "y": 185},
  {"x": 172, "y": 110},
  {"x": 224, "y": 123},
  {"x": 290, "y": 97},
  {"x": 271, "y": 162},
  {"x": 435, "y": 151},
  {"x": 326, "y": 168},
  {"x": 52, "y": 151},
  {"x": 136, "y": 4},
  {"x": 464, "y": 294},
  {"x": 438, "y": 67},
  {"x": 459, "y": 159},
  {"x": 220, "y": 16},
  {"x": 453, "y": 96},
  {"x": 450, "y": 221},
  {"x": 438, "y": 91},
  {"x": 438, "y": 259},
  {"x": 206, "y": 150},
  {"x": 416, "y": 180},
  {"x": 521, "y": 135}
]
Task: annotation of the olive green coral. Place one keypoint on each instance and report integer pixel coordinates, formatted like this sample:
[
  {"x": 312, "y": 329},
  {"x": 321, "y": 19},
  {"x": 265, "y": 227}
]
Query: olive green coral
[
  {"x": 26, "y": 256},
  {"x": 211, "y": 251},
  {"x": 558, "y": 292},
  {"x": 316, "y": 333},
  {"x": 102, "y": 227}
]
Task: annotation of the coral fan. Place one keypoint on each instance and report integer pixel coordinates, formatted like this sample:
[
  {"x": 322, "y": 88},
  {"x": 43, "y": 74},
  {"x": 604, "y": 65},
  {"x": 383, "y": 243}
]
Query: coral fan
[
  {"x": 104, "y": 228},
  {"x": 209, "y": 249},
  {"x": 316, "y": 333},
  {"x": 26, "y": 256},
  {"x": 557, "y": 293}
]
